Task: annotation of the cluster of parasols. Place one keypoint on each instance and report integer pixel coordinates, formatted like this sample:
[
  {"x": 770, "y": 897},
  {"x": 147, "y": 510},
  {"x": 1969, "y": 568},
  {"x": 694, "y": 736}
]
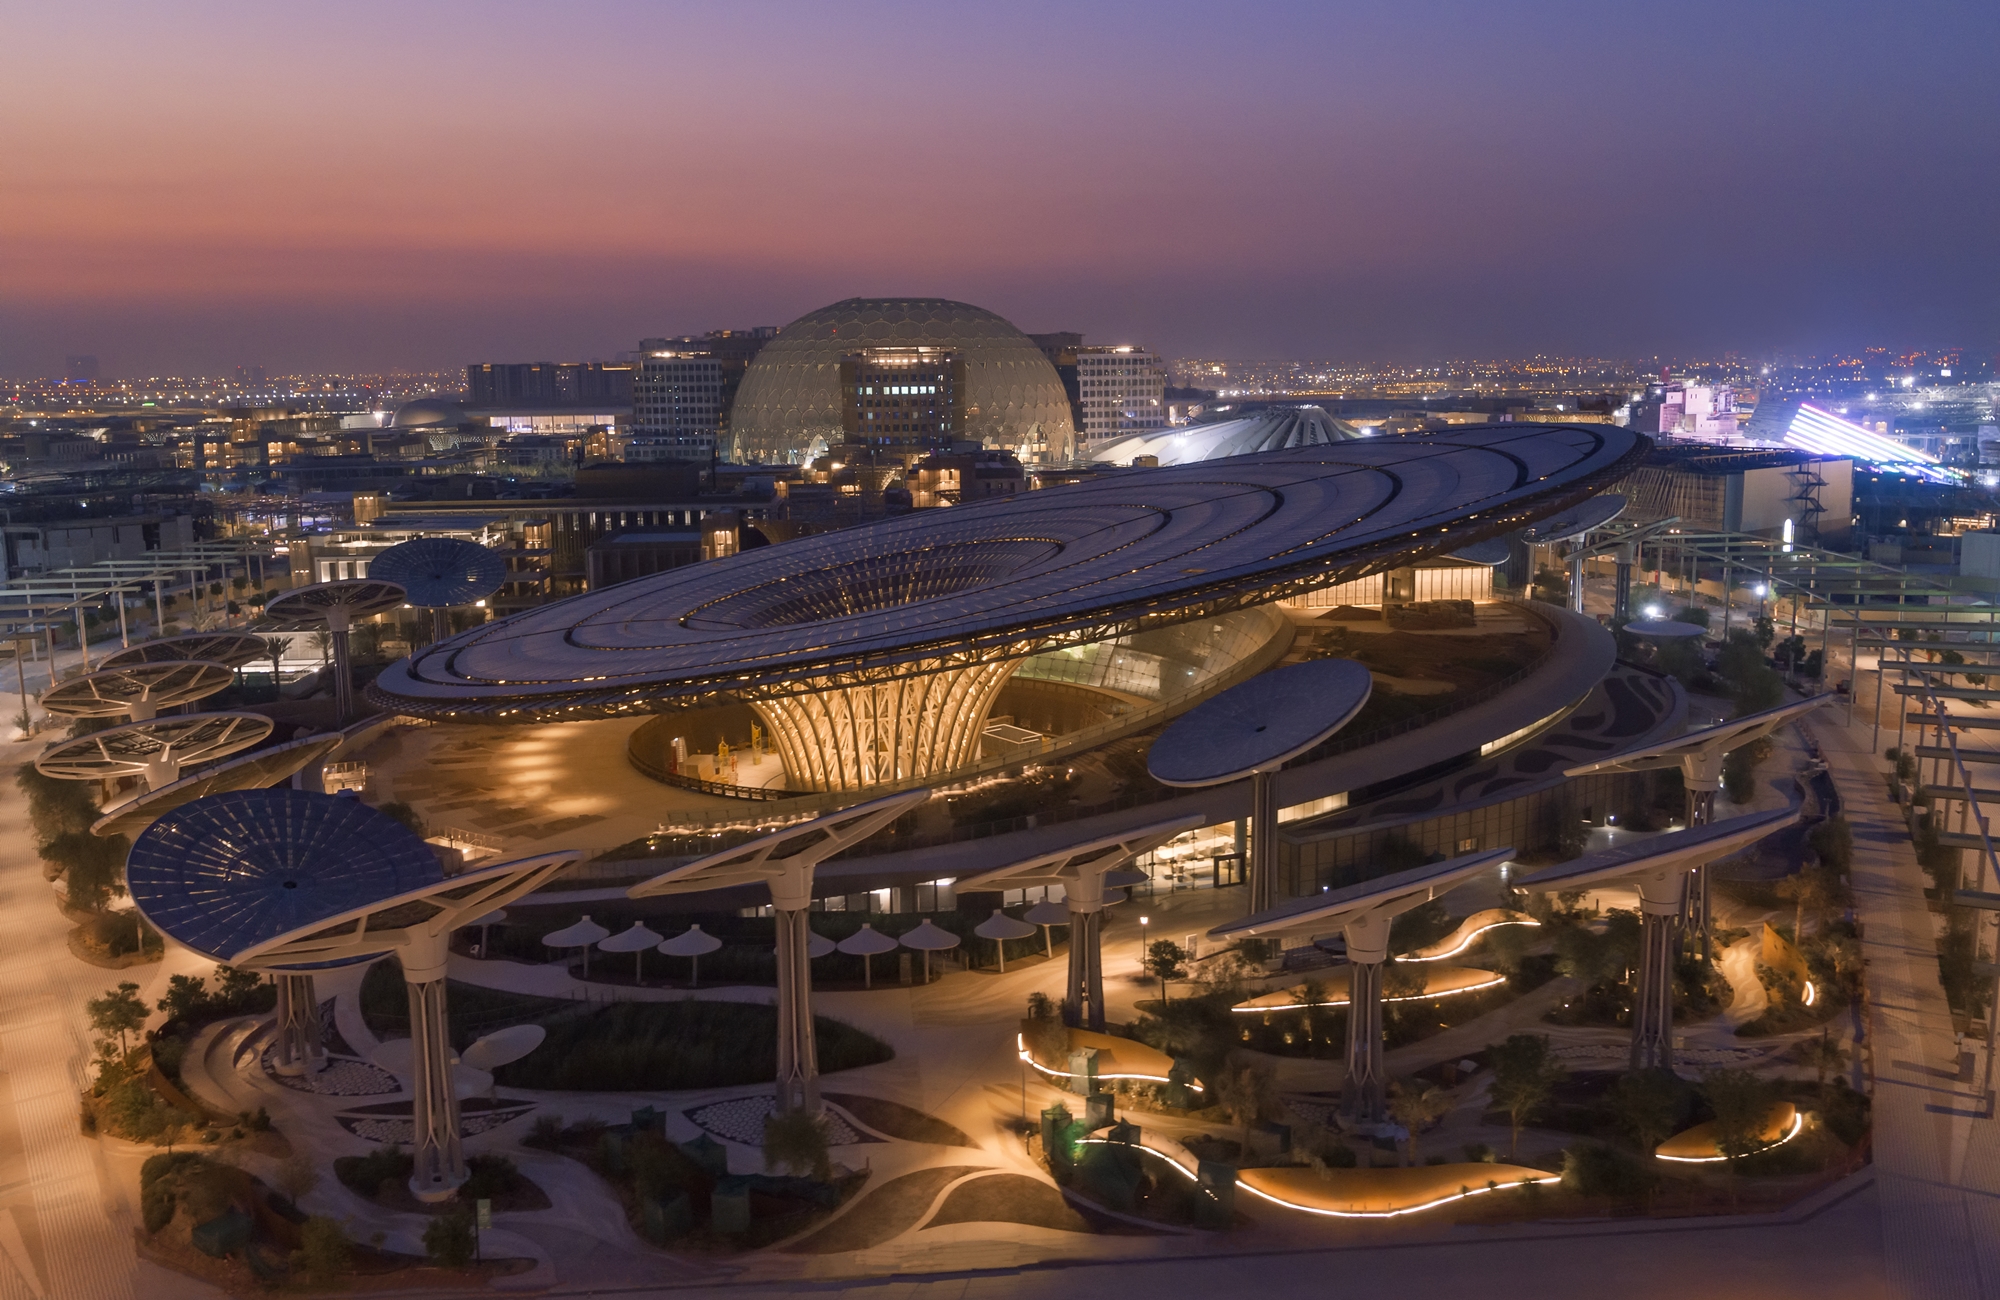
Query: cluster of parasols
[{"x": 867, "y": 943}]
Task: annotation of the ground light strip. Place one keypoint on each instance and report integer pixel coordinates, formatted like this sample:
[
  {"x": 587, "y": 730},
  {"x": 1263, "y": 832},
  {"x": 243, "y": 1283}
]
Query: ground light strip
[
  {"x": 1341, "y": 1006},
  {"x": 1468, "y": 941},
  {"x": 1393, "y": 1214},
  {"x": 1812, "y": 994},
  {"x": 1022, "y": 1047},
  {"x": 1179, "y": 1168},
  {"x": 1798, "y": 1122}
]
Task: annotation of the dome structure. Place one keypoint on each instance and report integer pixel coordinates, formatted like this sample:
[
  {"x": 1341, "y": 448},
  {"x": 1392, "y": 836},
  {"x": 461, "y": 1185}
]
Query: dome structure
[
  {"x": 789, "y": 406},
  {"x": 429, "y": 413},
  {"x": 1276, "y": 428}
]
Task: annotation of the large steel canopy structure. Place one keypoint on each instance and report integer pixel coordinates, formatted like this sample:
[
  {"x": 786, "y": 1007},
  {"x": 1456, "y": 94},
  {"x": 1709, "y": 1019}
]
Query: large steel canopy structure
[
  {"x": 1363, "y": 913},
  {"x": 256, "y": 770},
  {"x": 292, "y": 882},
  {"x": 1659, "y": 868},
  {"x": 230, "y": 649},
  {"x": 438, "y": 572},
  {"x": 785, "y": 861},
  {"x": 873, "y": 654},
  {"x": 1082, "y": 870},
  {"x": 155, "y": 750},
  {"x": 137, "y": 691},
  {"x": 1699, "y": 754},
  {"x": 1253, "y": 729},
  {"x": 334, "y": 606}
]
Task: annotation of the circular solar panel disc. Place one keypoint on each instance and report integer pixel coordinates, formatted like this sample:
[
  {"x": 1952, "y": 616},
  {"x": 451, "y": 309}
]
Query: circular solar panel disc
[
  {"x": 234, "y": 649},
  {"x": 328, "y": 602},
  {"x": 227, "y": 873},
  {"x": 155, "y": 749},
  {"x": 1594, "y": 513},
  {"x": 1258, "y": 725},
  {"x": 438, "y": 572},
  {"x": 253, "y": 771},
  {"x": 136, "y": 690}
]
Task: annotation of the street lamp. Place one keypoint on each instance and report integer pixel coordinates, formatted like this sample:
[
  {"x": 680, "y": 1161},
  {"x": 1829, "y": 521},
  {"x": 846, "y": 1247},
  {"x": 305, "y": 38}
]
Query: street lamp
[{"x": 1142, "y": 940}]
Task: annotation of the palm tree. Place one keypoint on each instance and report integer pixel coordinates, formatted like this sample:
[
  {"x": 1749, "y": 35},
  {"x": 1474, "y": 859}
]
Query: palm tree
[
  {"x": 322, "y": 641},
  {"x": 275, "y": 647},
  {"x": 1416, "y": 1106},
  {"x": 1246, "y": 1093}
]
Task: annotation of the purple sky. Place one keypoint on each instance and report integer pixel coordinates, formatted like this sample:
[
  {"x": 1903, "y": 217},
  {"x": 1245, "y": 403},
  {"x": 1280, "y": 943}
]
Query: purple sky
[{"x": 197, "y": 186}]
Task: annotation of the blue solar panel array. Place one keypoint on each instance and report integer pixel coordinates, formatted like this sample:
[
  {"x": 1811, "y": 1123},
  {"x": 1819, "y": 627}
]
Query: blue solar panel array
[
  {"x": 439, "y": 572},
  {"x": 228, "y": 872}
]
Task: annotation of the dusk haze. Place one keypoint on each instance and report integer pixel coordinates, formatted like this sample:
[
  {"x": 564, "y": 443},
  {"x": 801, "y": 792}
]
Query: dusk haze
[{"x": 1008, "y": 650}]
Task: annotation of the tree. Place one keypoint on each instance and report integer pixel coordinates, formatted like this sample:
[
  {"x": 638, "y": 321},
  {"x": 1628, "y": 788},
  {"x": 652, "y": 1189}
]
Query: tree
[
  {"x": 1741, "y": 1101},
  {"x": 1246, "y": 1092},
  {"x": 1823, "y": 1054},
  {"x": 322, "y": 641},
  {"x": 274, "y": 650},
  {"x": 1416, "y": 1106},
  {"x": 796, "y": 1142},
  {"x": 186, "y": 996},
  {"x": 118, "y": 1012},
  {"x": 296, "y": 1176},
  {"x": 449, "y": 1240},
  {"x": 1525, "y": 1074},
  {"x": 1166, "y": 960},
  {"x": 1810, "y": 891},
  {"x": 1648, "y": 1104},
  {"x": 1752, "y": 684}
]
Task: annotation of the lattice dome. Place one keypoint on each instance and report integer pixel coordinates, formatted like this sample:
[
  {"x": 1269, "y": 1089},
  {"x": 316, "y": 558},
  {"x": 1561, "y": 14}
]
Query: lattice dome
[{"x": 788, "y": 408}]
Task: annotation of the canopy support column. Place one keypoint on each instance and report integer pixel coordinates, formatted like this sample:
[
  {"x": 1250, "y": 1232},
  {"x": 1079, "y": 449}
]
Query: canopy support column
[
  {"x": 343, "y": 676},
  {"x": 440, "y": 1157},
  {"x": 299, "y": 1048},
  {"x": 1660, "y": 904},
  {"x": 1701, "y": 773},
  {"x": 1621, "y": 604},
  {"x": 1263, "y": 841},
  {"x": 1364, "y": 1099},
  {"x": 798, "y": 1057}
]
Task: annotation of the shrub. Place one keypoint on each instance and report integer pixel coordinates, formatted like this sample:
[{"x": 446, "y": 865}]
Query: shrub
[
  {"x": 449, "y": 1240},
  {"x": 796, "y": 1143},
  {"x": 488, "y": 1178},
  {"x": 1596, "y": 1169},
  {"x": 324, "y": 1251},
  {"x": 367, "y": 1174}
]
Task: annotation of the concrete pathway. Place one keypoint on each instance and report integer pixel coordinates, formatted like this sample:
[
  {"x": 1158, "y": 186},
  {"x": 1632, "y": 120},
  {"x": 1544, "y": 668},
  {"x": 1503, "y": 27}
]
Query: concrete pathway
[{"x": 1937, "y": 1166}]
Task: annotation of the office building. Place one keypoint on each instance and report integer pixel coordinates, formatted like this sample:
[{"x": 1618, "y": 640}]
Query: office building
[
  {"x": 1123, "y": 390},
  {"x": 547, "y": 385}
]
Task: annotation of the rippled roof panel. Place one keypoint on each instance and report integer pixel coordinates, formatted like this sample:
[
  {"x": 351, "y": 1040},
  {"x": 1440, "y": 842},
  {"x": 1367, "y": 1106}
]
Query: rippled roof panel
[
  {"x": 1006, "y": 575},
  {"x": 1276, "y": 429}
]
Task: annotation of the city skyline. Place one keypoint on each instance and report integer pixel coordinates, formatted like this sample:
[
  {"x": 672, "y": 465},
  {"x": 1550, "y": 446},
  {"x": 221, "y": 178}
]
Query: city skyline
[{"x": 445, "y": 184}]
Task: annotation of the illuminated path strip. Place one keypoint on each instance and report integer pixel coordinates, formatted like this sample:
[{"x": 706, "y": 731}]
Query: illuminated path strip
[
  {"x": 1798, "y": 1123},
  {"x": 1399, "y": 1213},
  {"x": 1022, "y": 1049},
  {"x": 1463, "y": 944},
  {"x": 1495, "y": 982}
]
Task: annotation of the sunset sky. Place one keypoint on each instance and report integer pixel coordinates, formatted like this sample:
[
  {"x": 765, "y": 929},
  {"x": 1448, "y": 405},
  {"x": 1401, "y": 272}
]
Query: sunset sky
[{"x": 197, "y": 186}]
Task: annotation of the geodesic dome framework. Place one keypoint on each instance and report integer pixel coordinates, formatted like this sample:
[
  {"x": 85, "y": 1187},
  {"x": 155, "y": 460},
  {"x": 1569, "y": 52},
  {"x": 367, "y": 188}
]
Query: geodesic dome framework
[{"x": 789, "y": 404}]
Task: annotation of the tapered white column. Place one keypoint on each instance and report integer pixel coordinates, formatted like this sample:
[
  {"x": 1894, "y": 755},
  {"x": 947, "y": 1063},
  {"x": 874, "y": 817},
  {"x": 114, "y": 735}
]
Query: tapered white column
[
  {"x": 1363, "y": 1099},
  {"x": 440, "y": 1158},
  {"x": 1263, "y": 841},
  {"x": 1661, "y": 899},
  {"x": 1701, "y": 774},
  {"x": 337, "y": 624},
  {"x": 1083, "y": 993},
  {"x": 299, "y": 1048},
  {"x": 798, "y": 1056}
]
